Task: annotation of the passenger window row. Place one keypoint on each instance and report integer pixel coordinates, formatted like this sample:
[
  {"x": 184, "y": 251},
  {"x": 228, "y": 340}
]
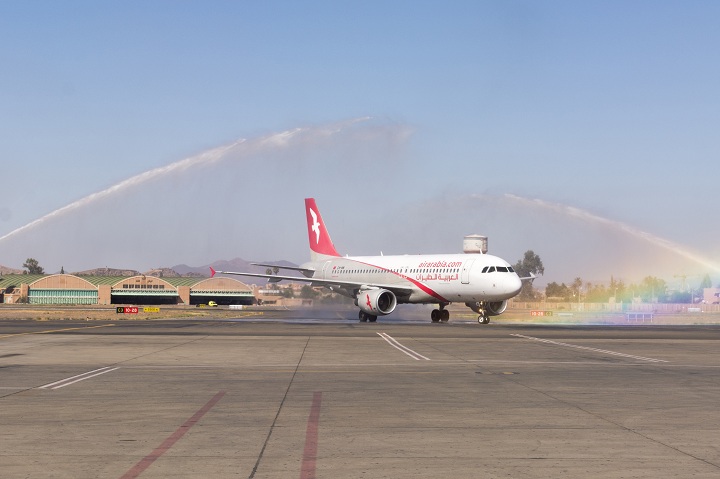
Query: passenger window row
[{"x": 400, "y": 271}]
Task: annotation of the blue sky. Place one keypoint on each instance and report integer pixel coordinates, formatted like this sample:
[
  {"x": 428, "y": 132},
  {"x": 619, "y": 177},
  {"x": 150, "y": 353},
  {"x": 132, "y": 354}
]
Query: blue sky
[{"x": 610, "y": 107}]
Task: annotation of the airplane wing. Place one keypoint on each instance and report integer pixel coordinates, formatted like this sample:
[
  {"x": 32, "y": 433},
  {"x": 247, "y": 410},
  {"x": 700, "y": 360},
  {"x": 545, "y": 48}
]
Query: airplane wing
[
  {"x": 328, "y": 283},
  {"x": 304, "y": 271}
]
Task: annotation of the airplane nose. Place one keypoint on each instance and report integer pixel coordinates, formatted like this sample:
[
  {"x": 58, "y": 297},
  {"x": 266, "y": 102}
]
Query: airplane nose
[{"x": 514, "y": 284}]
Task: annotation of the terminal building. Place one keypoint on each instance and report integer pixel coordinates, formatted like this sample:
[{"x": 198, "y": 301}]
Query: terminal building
[{"x": 107, "y": 290}]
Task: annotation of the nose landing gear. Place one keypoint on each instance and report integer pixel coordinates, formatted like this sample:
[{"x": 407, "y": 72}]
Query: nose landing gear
[{"x": 479, "y": 307}]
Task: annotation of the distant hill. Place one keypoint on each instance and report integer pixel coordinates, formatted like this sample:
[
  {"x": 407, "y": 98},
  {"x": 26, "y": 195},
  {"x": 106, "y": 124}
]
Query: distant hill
[
  {"x": 162, "y": 273},
  {"x": 237, "y": 264},
  {"x": 181, "y": 270},
  {"x": 107, "y": 272},
  {"x": 157, "y": 272},
  {"x": 6, "y": 270}
]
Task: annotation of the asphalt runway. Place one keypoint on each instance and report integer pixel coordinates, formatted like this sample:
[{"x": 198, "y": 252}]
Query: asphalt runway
[{"x": 301, "y": 396}]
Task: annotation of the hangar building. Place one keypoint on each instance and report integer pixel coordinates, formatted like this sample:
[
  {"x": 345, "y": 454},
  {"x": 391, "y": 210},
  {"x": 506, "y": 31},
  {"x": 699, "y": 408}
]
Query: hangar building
[{"x": 71, "y": 289}]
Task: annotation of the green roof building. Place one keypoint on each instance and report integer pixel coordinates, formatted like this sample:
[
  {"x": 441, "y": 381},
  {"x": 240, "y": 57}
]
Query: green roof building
[{"x": 106, "y": 290}]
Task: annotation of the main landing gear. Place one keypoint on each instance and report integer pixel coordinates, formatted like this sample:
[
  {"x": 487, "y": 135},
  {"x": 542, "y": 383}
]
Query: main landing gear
[
  {"x": 483, "y": 318},
  {"x": 364, "y": 317},
  {"x": 441, "y": 314}
]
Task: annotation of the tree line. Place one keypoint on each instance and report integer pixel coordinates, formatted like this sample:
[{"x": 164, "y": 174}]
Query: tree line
[{"x": 649, "y": 290}]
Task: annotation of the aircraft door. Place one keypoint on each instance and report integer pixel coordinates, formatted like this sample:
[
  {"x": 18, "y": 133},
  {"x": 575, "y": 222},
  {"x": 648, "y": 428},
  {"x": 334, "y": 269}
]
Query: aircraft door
[{"x": 465, "y": 271}]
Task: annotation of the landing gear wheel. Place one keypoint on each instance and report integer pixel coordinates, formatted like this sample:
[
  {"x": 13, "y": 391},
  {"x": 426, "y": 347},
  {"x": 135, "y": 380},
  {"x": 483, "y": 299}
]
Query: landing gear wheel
[
  {"x": 364, "y": 317},
  {"x": 444, "y": 315},
  {"x": 435, "y": 315},
  {"x": 483, "y": 318}
]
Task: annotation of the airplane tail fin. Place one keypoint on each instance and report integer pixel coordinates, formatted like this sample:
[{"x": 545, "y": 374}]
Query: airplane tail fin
[{"x": 321, "y": 246}]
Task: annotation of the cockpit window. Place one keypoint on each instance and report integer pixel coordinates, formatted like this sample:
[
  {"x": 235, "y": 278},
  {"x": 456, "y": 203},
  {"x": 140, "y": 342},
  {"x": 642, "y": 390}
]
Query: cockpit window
[{"x": 499, "y": 269}]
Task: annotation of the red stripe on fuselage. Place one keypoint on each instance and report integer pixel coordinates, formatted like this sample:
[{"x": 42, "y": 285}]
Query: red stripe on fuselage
[{"x": 420, "y": 285}]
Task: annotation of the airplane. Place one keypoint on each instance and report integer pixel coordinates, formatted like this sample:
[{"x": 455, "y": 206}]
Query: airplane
[{"x": 379, "y": 283}]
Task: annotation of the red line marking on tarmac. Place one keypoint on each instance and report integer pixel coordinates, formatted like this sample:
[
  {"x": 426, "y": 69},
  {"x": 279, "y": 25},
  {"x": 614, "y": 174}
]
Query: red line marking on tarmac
[
  {"x": 307, "y": 470},
  {"x": 147, "y": 461}
]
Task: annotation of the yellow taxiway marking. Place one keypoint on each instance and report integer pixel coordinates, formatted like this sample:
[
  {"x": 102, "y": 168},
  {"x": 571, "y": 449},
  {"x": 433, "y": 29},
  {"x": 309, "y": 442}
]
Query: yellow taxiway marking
[{"x": 48, "y": 331}]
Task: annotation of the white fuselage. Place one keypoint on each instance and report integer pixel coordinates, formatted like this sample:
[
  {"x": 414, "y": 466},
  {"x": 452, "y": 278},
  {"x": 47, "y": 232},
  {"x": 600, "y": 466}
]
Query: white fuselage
[{"x": 440, "y": 278}]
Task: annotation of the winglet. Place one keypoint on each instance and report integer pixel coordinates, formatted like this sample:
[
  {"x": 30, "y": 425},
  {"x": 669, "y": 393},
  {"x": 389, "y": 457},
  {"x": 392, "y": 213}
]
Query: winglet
[
  {"x": 530, "y": 278},
  {"x": 212, "y": 272}
]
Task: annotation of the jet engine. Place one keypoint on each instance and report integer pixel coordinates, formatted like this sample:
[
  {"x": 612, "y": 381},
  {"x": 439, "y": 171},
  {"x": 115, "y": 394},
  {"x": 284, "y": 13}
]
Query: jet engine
[
  {"x": 496, "y": 308},
  {"x": 376, "y": 301}
]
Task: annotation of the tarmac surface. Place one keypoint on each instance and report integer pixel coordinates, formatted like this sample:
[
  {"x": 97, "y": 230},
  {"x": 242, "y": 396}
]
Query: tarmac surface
[{"x": 285, "y": 396}]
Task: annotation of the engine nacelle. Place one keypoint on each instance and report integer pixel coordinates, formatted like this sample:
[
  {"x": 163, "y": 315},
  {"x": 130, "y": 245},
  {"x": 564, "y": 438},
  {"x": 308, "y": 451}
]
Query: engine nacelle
[
  {"x": 376, "y": 302},
  {"x": 494, "y": 308}
]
